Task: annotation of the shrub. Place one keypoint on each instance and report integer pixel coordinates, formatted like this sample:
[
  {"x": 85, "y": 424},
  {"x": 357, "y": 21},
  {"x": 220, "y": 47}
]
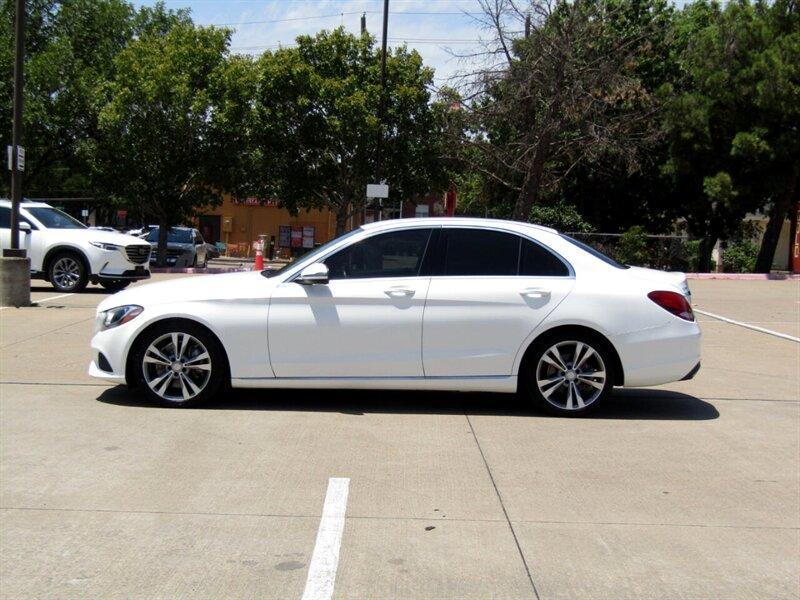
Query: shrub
[
  {"x": 561, "y": 216},
  {"x": 632, "y": 247},
  {"x": 739, "y": 256}
]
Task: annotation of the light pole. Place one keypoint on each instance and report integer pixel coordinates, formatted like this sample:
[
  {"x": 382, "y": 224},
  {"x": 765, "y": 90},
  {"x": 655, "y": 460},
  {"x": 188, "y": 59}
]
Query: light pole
[
  {"x": 15, "y": 276},
  {"x": 382, "y": 105}
]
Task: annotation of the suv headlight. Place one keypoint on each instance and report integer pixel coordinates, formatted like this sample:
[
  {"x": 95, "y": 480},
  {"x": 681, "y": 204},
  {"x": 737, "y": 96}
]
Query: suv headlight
[
  {"x": 115, "y": 317},
  {"x": 105, "y": 246}
]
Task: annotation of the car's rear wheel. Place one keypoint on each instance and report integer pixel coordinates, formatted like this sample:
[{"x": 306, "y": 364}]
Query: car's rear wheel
[
  {"x": 115, "y": 285},
  {"x": 179, "y": 364},
  {"x": 569, "y": 375},
  {"x": 68, "y": 272}
]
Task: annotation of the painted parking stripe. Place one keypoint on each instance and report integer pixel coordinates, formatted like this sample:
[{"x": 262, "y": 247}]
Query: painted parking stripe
[
  {"x": 43, "y": 300},
  {"x": 52, "y": 298},
  {"x": 322, "y": 570},
  {"x": 784, "y": 336}
]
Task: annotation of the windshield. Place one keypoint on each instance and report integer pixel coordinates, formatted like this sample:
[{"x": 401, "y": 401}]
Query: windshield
[
  {"x": 52, "y": 218},
  {"x": 174, "y": 236},
  {"x": 595, "y": 252},
  {"x": 309, "y": 258}
]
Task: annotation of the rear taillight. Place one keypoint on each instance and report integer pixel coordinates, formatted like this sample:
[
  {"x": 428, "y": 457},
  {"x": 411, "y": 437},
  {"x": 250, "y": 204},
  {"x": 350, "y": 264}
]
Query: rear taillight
[{"x": 673, "y": 302}]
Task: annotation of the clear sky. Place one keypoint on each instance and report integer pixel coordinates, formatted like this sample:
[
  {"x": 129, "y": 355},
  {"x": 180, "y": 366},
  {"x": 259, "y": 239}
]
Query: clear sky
[{"x": 437, "y": 29}]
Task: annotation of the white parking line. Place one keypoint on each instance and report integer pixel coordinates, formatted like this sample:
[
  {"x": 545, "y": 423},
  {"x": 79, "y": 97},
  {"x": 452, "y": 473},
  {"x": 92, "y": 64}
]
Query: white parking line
[
  {"x": 785, "y": 336},
  {"x": 53, "y": 298},
  {"x": 42, "y": 300},
  {"x": 322, "y": 570}
]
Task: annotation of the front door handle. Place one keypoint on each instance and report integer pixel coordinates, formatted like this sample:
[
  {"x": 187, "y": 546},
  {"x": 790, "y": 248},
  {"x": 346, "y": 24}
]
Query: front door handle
[
  {"x": 399, "y": 292},
  {"x": 535, "y": 292}
]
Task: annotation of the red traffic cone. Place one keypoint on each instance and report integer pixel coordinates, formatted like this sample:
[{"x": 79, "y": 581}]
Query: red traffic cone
[{"x": 259, "y": 266}]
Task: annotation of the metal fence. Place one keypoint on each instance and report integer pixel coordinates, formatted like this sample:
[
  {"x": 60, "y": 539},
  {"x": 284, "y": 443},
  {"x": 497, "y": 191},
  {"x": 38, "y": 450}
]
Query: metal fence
[{"x": 668, "y": 252}]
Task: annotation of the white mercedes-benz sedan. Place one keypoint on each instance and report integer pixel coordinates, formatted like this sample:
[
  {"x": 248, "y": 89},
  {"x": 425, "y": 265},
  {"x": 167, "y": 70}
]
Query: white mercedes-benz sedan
[{"x": 415, "y": 304}]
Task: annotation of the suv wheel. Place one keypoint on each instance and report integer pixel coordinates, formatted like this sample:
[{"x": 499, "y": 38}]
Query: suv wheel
[{"x": 67, "y": 272}]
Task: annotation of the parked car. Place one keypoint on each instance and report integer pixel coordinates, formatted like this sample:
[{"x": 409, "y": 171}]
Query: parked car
[
  {"x": 69, "y": 254},
  {"x": 212, "y": 251},
  {"x": 185, "y": 247},
  {"x": 423, "y": 304}
]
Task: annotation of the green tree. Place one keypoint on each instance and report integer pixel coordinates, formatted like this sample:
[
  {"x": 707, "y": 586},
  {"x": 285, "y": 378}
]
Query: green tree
[
  {"x": 732, "y": 117},
  {"x": 318, "y": 128},
  {"x": 165, "y": 111},
  {"x": 70, "y": 49}
]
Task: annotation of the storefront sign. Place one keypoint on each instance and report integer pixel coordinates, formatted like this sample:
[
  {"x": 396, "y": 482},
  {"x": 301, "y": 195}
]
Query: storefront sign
[
  {"x": 297, "y": 237},
  {"x": 308, "y": 237},
  {"x": 284, "y": 236},
  {"x": 255, "y": 201}
]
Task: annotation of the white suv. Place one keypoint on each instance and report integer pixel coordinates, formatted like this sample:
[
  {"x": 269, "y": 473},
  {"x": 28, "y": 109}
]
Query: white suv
[{"x": 69, "y": 254}]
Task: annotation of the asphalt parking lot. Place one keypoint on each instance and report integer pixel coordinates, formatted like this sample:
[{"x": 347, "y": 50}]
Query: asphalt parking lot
[{"x": 689, "y": 490}]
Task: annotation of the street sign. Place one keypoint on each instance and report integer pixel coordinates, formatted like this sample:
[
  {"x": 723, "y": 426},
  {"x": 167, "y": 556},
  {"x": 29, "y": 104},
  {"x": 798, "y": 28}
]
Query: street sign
[
  {"x": 377, "y": 190},
  {"x": 20, "y": 158}
]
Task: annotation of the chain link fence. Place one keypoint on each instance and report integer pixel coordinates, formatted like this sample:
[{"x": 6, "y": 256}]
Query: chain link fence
[{"x": 666, "y": 252}]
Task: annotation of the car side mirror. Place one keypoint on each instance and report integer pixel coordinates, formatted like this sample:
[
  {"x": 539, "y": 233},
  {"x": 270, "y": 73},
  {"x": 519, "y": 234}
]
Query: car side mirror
[
  {"x": 24, "y": 227},
  {"x": 316, "y": 273}
]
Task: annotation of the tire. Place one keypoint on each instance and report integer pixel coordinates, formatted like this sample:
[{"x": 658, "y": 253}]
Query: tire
[
  {"x": 172, "y": 380},
  {"x": 115, "y": 285},
  {"x": 552, "y": 381},
  {"x": 67, "y": 272}
]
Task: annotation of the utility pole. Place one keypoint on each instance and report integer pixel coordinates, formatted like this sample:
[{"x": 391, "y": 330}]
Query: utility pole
[
  {"x": 363, "y": 23},
  {"x": 16, "y": 131},
  {"x": 527, "y": 26},
  {"x": 382, "y": 105},
  {"x": 15, "y": 276}
]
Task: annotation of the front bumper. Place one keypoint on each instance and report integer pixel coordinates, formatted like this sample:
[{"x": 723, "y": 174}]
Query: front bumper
[
  {"x": 114, "y": 264},
  {"x": 113, "y": 344},
  {"x": 136, "y": 274}
]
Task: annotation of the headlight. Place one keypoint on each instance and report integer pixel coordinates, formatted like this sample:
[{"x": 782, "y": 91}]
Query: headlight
[
  {"x": 104, "y": 246},
  {"x": 117, "y": 316}
]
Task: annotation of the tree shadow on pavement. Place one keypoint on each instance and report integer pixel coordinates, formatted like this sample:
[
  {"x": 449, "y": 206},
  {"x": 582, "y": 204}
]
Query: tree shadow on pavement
[{"x": 640, "y": 404}]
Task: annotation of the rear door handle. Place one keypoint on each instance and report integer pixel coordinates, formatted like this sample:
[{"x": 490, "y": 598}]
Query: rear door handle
[
  {"x": 399, "y": 292},
  {"x": 535, "y": 292}
]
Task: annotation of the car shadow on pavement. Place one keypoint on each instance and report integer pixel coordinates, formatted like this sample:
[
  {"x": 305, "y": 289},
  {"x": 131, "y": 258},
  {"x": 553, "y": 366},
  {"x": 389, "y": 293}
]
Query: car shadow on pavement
[
  {"x": 87, "y": 290},
  {"x": 640, "y": 404}
]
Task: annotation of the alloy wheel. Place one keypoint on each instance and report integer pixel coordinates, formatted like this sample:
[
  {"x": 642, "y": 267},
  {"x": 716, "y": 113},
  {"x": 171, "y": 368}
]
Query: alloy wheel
[
  {"x": 176, "y": 366},
  {"x": 571, "y": 375},
  {"x": 67, "y": 272}
]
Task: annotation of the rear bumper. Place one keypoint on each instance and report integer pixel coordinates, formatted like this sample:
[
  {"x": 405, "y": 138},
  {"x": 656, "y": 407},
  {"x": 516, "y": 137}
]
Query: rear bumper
[
  {"x": 692, "y": 373},
  {"x": 660, "y": 355}
]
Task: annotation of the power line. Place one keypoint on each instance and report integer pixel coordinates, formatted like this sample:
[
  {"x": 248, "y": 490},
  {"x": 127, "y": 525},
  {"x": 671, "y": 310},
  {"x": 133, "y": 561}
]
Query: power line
[{"x": 339, "y": 14}]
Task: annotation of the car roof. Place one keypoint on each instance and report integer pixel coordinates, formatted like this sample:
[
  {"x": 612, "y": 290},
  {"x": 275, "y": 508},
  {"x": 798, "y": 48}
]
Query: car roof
[
  {"x": 454, "y": 222},
  {"x": 25, "y": 203}
]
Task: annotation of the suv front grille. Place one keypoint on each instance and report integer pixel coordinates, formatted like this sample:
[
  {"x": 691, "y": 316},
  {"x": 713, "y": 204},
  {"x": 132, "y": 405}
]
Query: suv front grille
[{"x": 138, "y": 253}]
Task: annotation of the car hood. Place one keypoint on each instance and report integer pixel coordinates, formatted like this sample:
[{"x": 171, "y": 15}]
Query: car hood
[
  {"x": 663, "y": 277},
  {"x": 224, "y": 286},
  {"x": 97, "y": 235}
]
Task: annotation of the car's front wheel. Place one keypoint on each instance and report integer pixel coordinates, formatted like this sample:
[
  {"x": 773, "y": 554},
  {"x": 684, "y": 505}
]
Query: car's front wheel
[
  {"x": 570, "y": 374},
  {"x": 68, "y": 272},
  {"x": 179, "y": 363}
]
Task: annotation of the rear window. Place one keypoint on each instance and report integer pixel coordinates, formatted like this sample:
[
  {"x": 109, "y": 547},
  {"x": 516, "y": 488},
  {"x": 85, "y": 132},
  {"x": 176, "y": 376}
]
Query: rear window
[
  {"x": 174, "y": 236},
  {"x": 594, "y": 252}
]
